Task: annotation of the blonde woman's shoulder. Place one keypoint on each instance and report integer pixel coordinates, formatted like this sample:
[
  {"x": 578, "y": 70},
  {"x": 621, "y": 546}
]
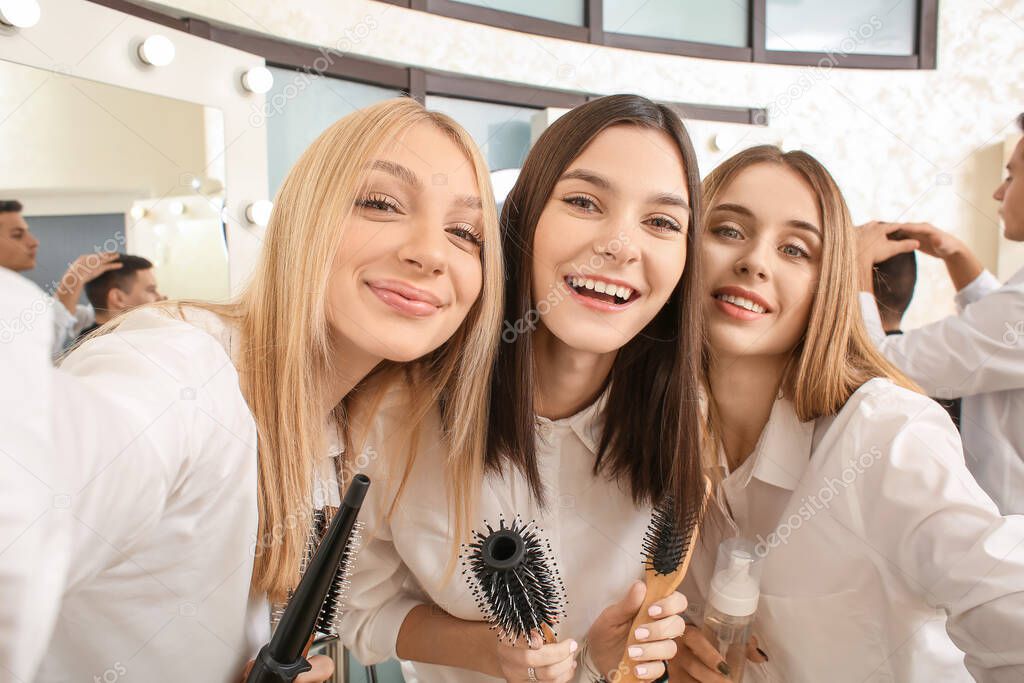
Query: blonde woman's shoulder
[
  {"x": 880, "y": 411},
  {"x": 883, "y": 396}
]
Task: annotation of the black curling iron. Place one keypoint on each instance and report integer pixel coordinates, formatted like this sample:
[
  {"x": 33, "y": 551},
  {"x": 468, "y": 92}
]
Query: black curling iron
[{"x": 283, "y": 658}]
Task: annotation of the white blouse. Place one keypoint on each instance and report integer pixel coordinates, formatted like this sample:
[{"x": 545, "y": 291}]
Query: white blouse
[
  {"x": 149, "y": 484},
  {"x": 885, "y": 559},
  {"x": 594, "y": 529}
]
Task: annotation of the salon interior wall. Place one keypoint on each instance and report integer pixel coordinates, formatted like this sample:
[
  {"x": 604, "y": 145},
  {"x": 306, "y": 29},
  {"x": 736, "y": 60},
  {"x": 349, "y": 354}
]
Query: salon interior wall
[{"x": 904, "y": 145}]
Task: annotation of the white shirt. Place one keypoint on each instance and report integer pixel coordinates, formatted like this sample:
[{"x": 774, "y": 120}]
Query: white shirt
[
  {"x": 28, "y": 526},
  {"x": 152, "y": 474},
  {"x": 883, "y": 554},
  {"x": 66, "y": 327},
  {"x": 594, "y": 529},
  {"x": 979, "y": 355}
]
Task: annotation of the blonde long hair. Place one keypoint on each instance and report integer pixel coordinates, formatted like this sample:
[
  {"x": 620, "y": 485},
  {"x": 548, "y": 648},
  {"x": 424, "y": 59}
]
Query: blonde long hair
[
  {"x": 835, "y": 356},
  {"x": 281, "y": 317}
]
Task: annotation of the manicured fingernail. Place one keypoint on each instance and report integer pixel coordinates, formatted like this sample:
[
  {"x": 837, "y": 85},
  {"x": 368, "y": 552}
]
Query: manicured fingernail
[
  {"x": 641, "y": 671},
  {"x": 641, "y": 633},
  {"x": 723, "y": 668},
  {"x": 762, "y": 653},
  {"x": 635, "y": 652},
  {"x": 573, "y": 646},
  {"x": 655, "y": 610}
]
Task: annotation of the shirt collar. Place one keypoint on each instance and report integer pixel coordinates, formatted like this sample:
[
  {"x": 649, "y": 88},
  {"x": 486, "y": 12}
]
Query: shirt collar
[
  {"x": 782, "y": 451},
  {"x": 586, "y": 424}
]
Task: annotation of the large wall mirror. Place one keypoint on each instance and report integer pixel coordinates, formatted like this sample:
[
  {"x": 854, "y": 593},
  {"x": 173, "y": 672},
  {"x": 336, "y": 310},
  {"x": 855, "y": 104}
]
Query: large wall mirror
[
  {"x": 125, "y": 135},
  {"x": 105, "y": 168}
]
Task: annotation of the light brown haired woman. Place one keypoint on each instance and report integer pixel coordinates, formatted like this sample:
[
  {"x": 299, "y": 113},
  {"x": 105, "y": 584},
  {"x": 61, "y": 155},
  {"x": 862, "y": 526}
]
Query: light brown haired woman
[
  {"x": 193, "y": 438},
  {"x": 882, "y": 557}
]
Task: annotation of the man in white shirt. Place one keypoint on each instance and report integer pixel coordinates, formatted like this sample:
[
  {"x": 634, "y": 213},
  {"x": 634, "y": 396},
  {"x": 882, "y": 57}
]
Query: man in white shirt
[
  {"x": 978, "y": 354},
  {"x": 18, "y": 248}
]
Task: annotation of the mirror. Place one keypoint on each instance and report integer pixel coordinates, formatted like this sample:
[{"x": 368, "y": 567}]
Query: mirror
[{"x": 105, "y": 168}]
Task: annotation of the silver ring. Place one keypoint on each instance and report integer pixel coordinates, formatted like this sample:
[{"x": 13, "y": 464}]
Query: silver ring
[{"x": 531, "y": 674}]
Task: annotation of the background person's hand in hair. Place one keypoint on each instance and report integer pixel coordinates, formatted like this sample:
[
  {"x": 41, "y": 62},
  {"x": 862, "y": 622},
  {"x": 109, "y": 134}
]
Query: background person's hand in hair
[
  {"x": 962, "y": 264},
  {"x": 874, "y": 245},
  {"x": 83, "y": 269}
]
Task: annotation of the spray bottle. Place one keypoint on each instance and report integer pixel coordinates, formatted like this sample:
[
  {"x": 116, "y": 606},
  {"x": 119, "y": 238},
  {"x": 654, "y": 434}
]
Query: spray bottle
[{"x": 732, "y": 602}]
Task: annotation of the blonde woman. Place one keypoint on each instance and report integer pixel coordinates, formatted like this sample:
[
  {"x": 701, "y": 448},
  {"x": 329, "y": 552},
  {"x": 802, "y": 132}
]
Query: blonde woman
[
  {"x": 883, "y": 559},
  {"x": 193, "y": 439}
]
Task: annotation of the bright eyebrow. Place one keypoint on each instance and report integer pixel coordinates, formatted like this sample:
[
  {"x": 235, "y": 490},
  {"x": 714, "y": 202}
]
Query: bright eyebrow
[
  {"x": 598, "y": 180},
  {"x": 398, "y": 171},
  {"x": 735, "y": 208},
  {"x": 744, "y": 211},
  {"x": 587, "y": 177},
  {"x": 469, "y": 201},
  {"x": 670, "y": 199},
  {"x": 804, "y": 225}
]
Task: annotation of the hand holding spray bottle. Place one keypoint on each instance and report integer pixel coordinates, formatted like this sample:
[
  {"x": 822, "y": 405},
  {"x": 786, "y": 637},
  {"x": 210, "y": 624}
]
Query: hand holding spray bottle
[{"x": 732, "y": 602}]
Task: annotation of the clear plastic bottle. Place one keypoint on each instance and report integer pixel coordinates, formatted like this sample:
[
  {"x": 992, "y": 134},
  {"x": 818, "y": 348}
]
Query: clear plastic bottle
[{"x": 732, "y": 602}]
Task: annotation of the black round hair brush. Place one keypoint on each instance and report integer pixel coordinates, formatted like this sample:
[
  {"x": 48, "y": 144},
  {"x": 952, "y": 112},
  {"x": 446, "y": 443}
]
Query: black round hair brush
[{"x": 517, "y": 586}]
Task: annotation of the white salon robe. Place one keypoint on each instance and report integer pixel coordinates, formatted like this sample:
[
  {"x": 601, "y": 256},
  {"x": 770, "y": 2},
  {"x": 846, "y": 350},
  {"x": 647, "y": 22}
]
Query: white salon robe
[
  {"x": 977, "y": 355},
  {"x": 594, "y": 529},
  {"x": 883, "y": 559},
  {"x": 151, "y": 470},
  {"x": 32, "y": 533}
]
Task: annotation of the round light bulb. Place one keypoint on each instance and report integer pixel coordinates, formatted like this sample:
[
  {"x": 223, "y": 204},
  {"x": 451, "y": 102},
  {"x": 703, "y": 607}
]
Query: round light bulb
[
  {"x": 723, "y": 141},
  {"x": 258, "y": 213},
  {"x": 138, "y": 213},
  {"x": 19, "y": 13},
  {"x": 157, "y": 50},
  {"x": 176, "y": 207},
  {"x": 258, "y": 80}
]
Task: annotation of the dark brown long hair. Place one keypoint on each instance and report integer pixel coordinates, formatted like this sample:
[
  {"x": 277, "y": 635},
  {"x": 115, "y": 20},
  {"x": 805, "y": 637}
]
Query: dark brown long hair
[{"x": 653, "y": 440}]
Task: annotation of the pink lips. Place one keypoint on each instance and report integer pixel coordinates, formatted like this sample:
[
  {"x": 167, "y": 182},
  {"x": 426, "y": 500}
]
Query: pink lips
[
  {"x": 406, "y": 299},
  {"x": 738, "y": 312}
]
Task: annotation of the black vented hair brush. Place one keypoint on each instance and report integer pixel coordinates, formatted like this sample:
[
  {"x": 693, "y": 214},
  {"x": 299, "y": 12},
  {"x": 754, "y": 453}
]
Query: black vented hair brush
[
  {"x": 517, "y": 587},
  {"x": 316, "y": 599},
  {"x": 667, "y": 549}
]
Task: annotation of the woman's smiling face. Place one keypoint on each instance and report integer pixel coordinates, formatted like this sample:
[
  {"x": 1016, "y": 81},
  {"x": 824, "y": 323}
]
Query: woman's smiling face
[
  {"x": 610, "y": 245},
  {"x": 408, "y": 268},
  {"x": 762, "y": 262}
]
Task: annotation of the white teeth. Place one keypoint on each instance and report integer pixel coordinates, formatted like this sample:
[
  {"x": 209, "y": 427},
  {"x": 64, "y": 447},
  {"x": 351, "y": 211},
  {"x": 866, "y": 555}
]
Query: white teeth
[
  {"x": 742, "y": 303},
  {"x": 600, "y": 286}
]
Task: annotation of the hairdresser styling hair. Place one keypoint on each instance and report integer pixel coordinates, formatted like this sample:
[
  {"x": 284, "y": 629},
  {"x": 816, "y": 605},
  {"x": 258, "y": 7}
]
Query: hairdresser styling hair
[{"x": 184, "y": 515}]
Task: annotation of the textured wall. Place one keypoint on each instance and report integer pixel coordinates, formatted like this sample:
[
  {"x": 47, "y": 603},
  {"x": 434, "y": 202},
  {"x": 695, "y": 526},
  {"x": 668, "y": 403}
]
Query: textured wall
[{"x": 913, "y": 145}]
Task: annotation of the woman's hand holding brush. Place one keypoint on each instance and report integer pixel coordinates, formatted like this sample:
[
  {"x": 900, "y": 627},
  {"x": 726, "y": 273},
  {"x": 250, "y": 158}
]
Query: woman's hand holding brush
[
  {"x": 323, "y": 669},
  {"x": 655, "y": 639},
  {"x": 549, "y": 663}
]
